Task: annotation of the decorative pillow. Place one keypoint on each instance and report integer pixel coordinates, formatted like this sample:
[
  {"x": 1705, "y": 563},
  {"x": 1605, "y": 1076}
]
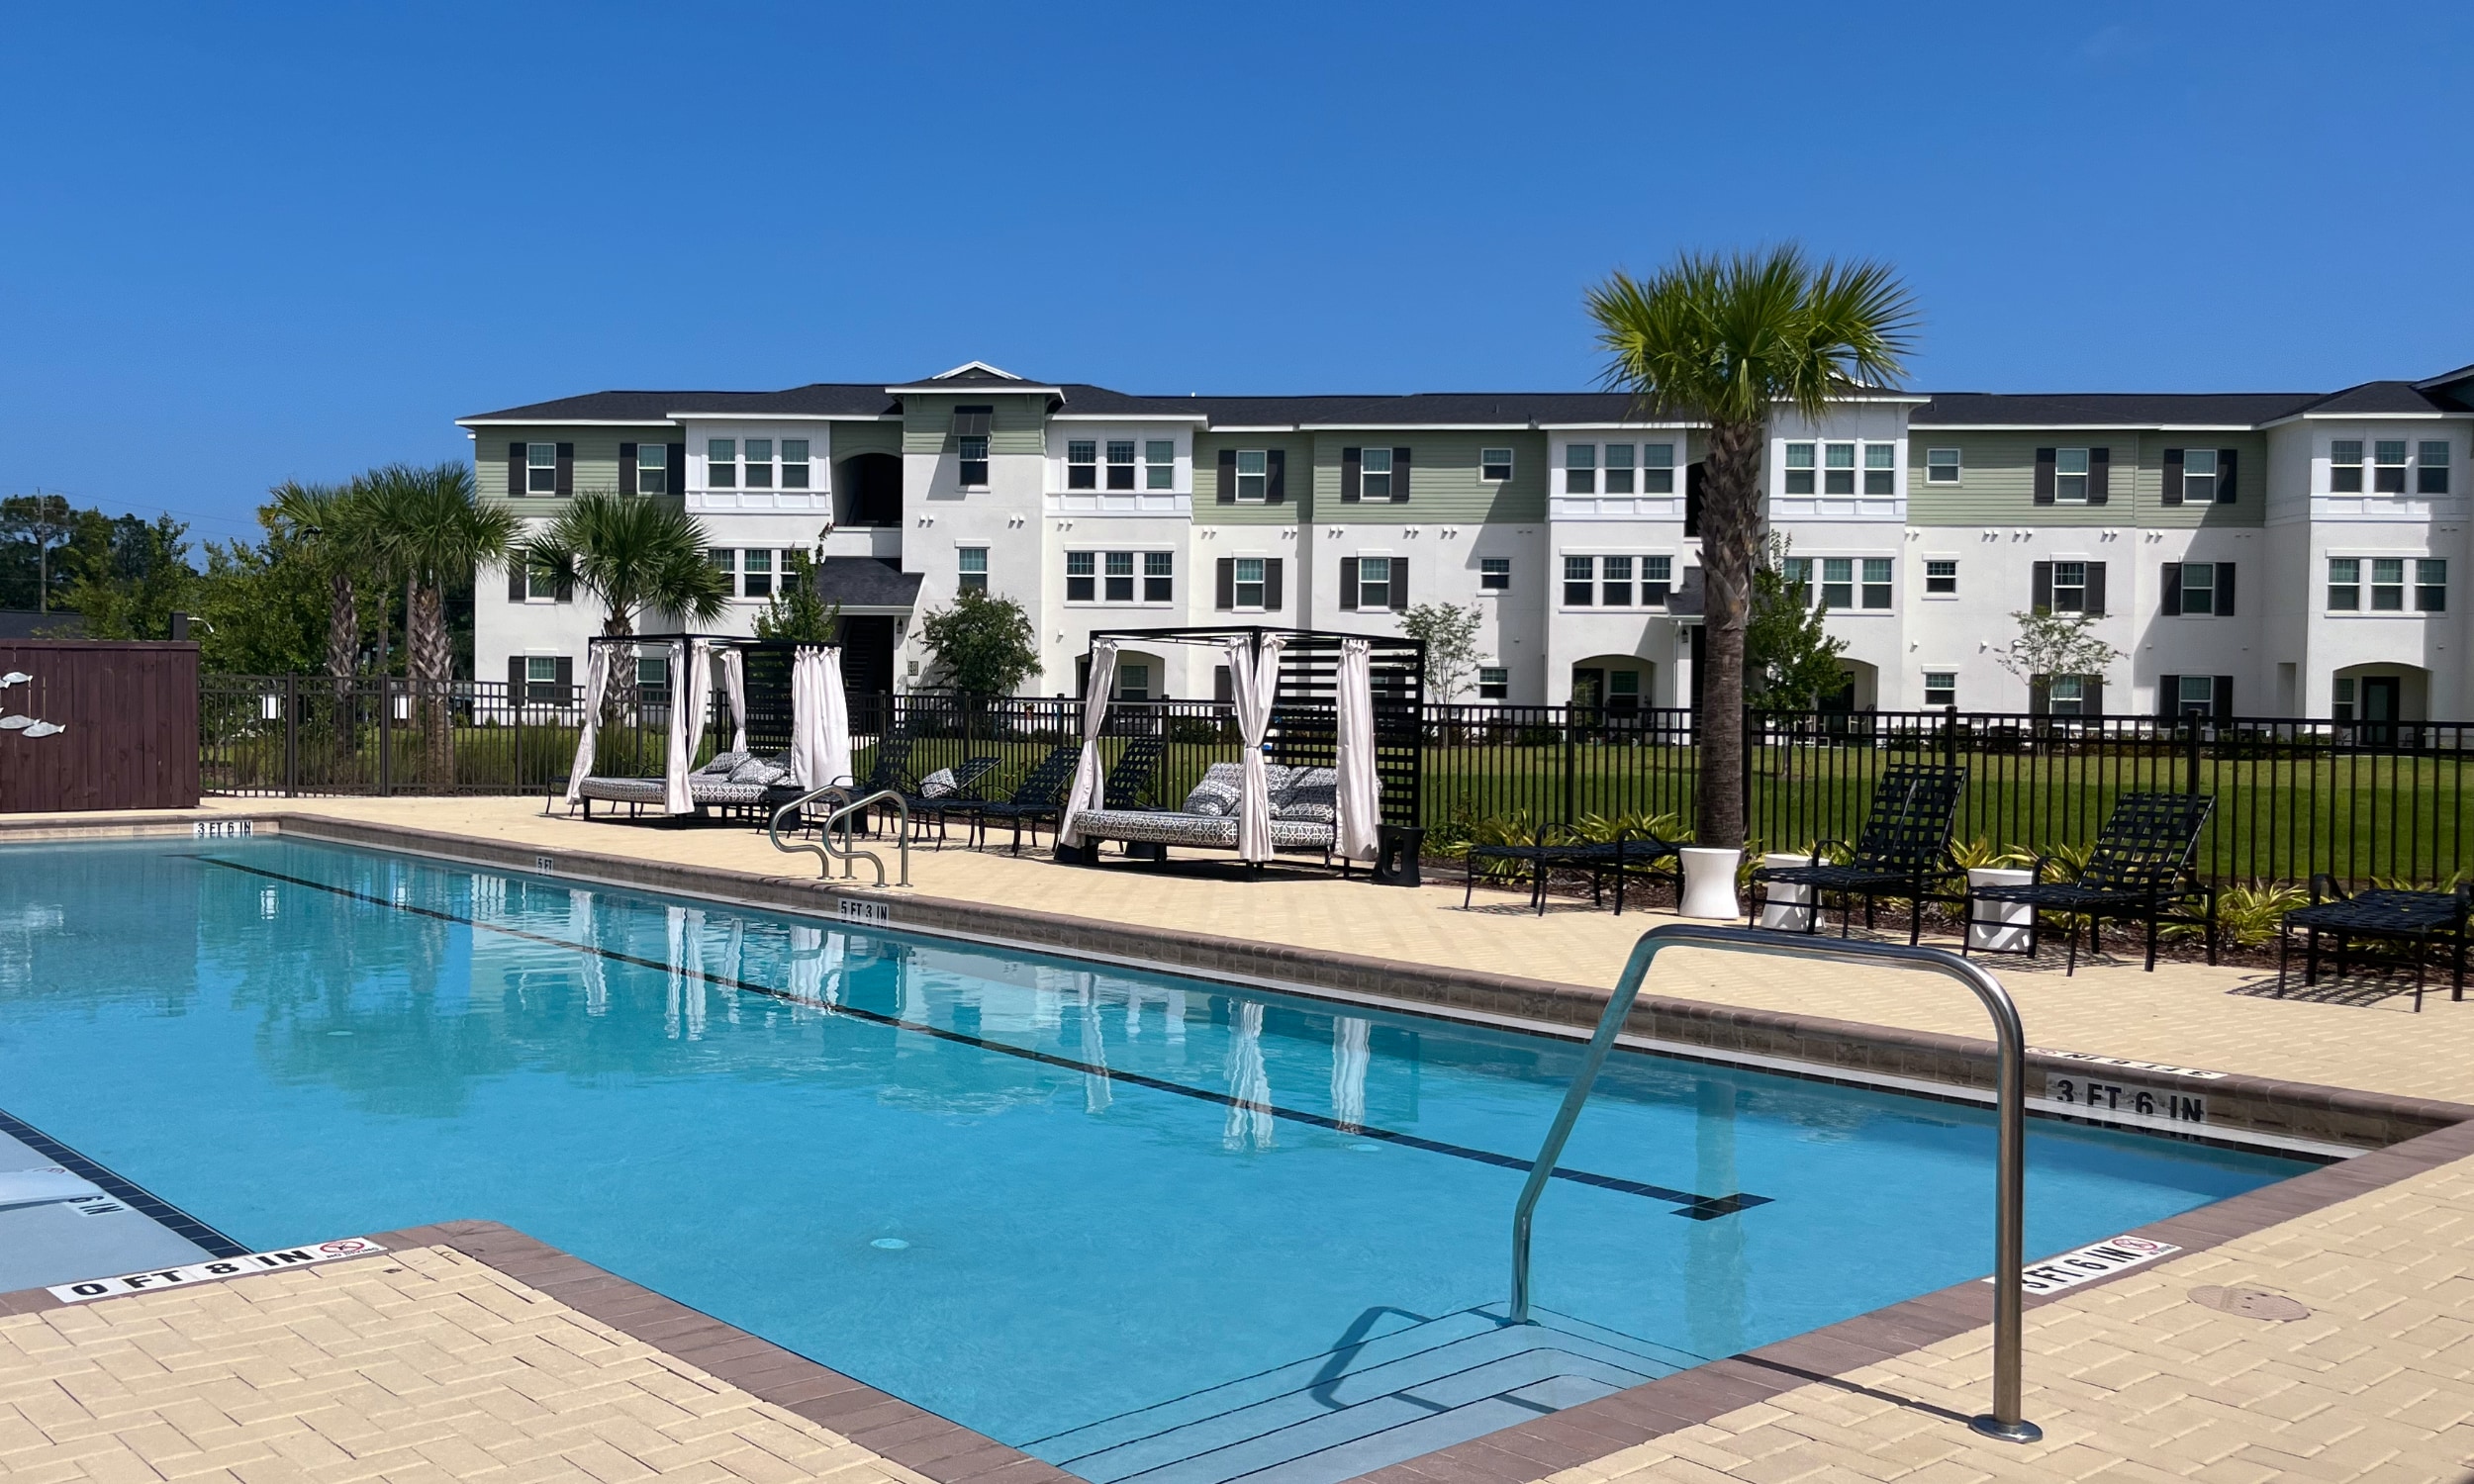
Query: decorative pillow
[
  {"x": 1218, "y": 792},
  {"x": 938, "y": 783},
  {"x": 761, "y": 771},
  {"x": 1313, "y": 795},
  {"x": 725, "y": 763}
]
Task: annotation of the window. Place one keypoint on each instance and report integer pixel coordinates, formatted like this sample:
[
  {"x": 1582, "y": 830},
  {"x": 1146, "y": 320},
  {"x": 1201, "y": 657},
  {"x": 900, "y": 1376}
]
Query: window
[
  {"x": 793, "y": 463},
  {"x": 2070, "y": 586},
  {"x": 2388, "y": 585},
  {"x": 541, "y": 468},
  {"x": 2341, "y": 700},
  {"x": 1081, "y": 464},
  {"x": 1133, "y": 683},
  {"x": 721, "y": 464},
  {"x": 1494, "y": 574},
  {"x": 2068, "y": 695},
  {"x": 1375, "y": 572},
  {"x": 2344, "y": 466},
  {"x": 1374, "y": 474},
  {"x": 1658, "y": 468},
  {"x": 1495, "y": 465},
  {"x": 2430, "y": 469},
  {"x": 1120, "y": 577},
  {"x": 1623, "y": 691},
  {"x": 1253, "y": 474},
  {"x": 541, "y": 678},
  {"x": 756, "y": 573},
  {"x": 1799, "y": 468},
  {"x": 1580, "y": 574},
  {"x": 2199, "y": 476},
  {"x": 2388, "y": 467},
  {"x": 971, "y": 444},
  {"x": 2345, "y": 584},
  {"x": 1494, "y": 682},
  {"x": 1580, "y": 469},
  {"x": 1877, "y": 582},
  {"x": 1248, "y": 593},
  {"x": 1078, "y": 569},
  {"x": 1940, "y": 579},
  {"x": 971, "y": 562},
  {"x": 540, "y": 582},
  {"x": 2431, "y": 585},
  {"x": 1941, "y": 466},
  {"x": 727, "y": 562},
  {"x": 1619, "y": 467},
  {"x": 1838, "y": 581},
  {"x": 759, "y": 475},
  {"x": 1158, "y": 576},
  {"x": 2070, "y": 480},
  {"x": 652, "y": 673},
  {"x": 1799, "y": 575},
  {"x": 1615, "y": 581},
  {"x": 2199, "y": 588},
  {"x": 1838, "y": 469},
  {"x": 1120, "y": 464},
  {"x": 652, "y": 468},
  {"x": 1880, "y": 469},
  {"x": 1159, "y": 465},
  {"x": 1941, "y": 688},
  {"x": 2195, "y": 696},
  {"x": 1657, "y": 579}
]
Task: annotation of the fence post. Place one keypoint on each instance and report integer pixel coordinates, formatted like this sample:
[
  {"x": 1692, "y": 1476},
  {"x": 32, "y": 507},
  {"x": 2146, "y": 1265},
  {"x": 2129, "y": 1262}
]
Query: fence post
[
  {"x": 515, "y": 706},
  {"x": 386, "y": 735},
  {"x": 1572, "y": 747},
  {"x": 291, "y": 736},
  {"x": 1950, "y": 736},
  {"x": 2190, "y": 757}
]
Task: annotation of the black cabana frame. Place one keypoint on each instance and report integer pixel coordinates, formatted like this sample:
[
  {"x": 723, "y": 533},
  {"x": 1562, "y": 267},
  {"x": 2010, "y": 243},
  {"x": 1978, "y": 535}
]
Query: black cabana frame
[{"x": 771, "y": 720}]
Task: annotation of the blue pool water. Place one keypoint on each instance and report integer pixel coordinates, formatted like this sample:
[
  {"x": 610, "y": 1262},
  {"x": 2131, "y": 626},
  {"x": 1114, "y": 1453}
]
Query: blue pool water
[{"x": 937, "y": 1188}]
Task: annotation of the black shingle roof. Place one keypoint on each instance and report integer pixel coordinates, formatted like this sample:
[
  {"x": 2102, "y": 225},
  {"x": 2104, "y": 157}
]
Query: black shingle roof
[
  {"x": 821, "y": 399},
  {"x": 2381, "y": 397},
  {"x": 866, "y": 583},
  {"x": 2110, "y": 408}
]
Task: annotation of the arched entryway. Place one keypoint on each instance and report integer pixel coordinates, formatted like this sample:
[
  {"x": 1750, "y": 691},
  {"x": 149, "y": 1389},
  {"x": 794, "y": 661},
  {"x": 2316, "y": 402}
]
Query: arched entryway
[
  {"x": 867, "y": 490},
  {"x": 1621, "y": 686},
  {"x": 1858, "y": 688}
]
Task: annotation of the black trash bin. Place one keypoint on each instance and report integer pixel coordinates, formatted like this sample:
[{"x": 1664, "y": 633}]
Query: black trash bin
[{"x": 1396, "y": 847}]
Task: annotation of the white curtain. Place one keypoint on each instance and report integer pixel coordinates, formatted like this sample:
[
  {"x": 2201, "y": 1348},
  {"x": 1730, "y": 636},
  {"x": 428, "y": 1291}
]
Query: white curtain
[
  {"x": 691, "y": 695},
  {"x": 1253, "y": 682},
  {"x": 834, "y": 758},
  {"x": 1088, "y": 777},
  {"x": 1349, "y": 1057},
  {"x": 1249, "y": 1122},
  {"x": 734, "y": 686},
  {"x": 596, "y": 681},
  {"x": 807, "y": 717},
  {"x": 1359, "y": 811}
]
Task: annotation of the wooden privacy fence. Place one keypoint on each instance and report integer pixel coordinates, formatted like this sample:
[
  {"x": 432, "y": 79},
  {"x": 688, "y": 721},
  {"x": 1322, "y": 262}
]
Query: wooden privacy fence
[{"x": 95, "y": 724}]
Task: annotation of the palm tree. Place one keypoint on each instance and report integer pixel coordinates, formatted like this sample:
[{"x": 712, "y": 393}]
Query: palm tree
[
  {"x": 1727, "y": 338},
  {"x": 636, "y": 555},
  {"x": 430, "y": 527},
  {"x": 327, "y": 521}
]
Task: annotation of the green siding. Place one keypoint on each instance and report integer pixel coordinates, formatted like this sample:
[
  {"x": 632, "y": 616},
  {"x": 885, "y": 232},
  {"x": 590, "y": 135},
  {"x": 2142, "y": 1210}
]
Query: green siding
[
  {"x": 851, "y": 438},
  {"x": 1443, "y": 476},
  {"x": 596, "y": 464},
  {"x": 1297, "y": 480},
  {"x": 1019, "y": 423},
  {"x": 1997, "y": 480}
]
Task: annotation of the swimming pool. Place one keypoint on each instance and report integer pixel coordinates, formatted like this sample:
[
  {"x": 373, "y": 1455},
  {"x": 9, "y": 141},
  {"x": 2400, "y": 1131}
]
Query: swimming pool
[{"x": 1140, "y": 1225}]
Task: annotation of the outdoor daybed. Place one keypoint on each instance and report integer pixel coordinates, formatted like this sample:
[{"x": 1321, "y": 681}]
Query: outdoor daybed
[
  {"x": 1304, "y": 812},
  {"x": 735, "y": 778},
  {"x": 731, "y": 781}
]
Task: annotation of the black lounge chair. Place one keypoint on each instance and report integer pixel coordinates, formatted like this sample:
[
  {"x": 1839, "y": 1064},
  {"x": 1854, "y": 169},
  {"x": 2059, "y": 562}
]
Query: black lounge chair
[
  {"x": 1620, "y": 858},
  {"x": 2421, "y": 918},
  {"x": 924, "y": 807},
  {"x": 2139, "y": 870},
  {"x": 1903, "y": 852},
  {"x": 1038, "y": 798}
]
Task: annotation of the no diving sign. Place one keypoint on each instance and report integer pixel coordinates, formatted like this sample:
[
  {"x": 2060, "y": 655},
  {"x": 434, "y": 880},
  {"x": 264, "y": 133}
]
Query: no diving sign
[{"x": 215, "y": 1270}]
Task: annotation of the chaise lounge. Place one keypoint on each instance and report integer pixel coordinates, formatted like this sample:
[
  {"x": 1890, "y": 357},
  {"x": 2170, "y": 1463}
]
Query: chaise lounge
[{"x": 1304, "y": 813}]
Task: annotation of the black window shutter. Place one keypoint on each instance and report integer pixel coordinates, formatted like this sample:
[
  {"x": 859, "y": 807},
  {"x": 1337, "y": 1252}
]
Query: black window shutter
[
  {"x": 515, "y": 468},
  {"x": 674, "y": 481},
  {"x": 2095, "y": 589},
  {"x": 1348, "y": 582},
  {"x": 2092, "y": 697},
  {"x": 1275, "y": 476},
  {"x": 1223, "y": 689},
  {"x": 1695, "y": 481},
  {"x": 566, "y": 469},
  {"x": 1270, "y": 584},
  {"x": 2040, "y": 597},
  {"x": 2172, "y": 590},
  {"x": 2040, "y": 695},
  {"x": 2173, "y": 476},
  {"x": 1349, "y": 474},
  {"x": 566, "y": 676},
  {"x": 1226, "y": 579},
  {"x": 516, "y": 579},
  {"x": 1228, "y": 476},
  {"x": 516, "y": 679},
  {"x": 1400, "y": 583},
  {"x": 2099, "y": 475},
  {"x": 2043, "y": 476},
  {"x": 1399, "y": 475},
  {"x": 2224, "y": 697},
  {"x": 2224, "y": 475},
  {"x": 2168, "y": 695},
  {"x": 626, "y": 468},
  {"x": 2225, "y": 589}
]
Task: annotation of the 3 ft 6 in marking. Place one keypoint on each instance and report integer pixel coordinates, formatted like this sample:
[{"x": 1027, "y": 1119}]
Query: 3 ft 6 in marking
[{"x": 2119, "y": 1098}]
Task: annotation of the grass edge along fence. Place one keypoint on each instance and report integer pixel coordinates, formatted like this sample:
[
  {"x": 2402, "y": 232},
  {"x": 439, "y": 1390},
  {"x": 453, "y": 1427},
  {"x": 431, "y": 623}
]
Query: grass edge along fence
[{"x": 2364, "y": 801}]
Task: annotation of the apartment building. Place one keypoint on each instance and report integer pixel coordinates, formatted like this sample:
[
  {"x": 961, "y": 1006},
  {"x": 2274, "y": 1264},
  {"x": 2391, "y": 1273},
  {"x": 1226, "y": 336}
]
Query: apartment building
[{"x": 2250, "y": 553}]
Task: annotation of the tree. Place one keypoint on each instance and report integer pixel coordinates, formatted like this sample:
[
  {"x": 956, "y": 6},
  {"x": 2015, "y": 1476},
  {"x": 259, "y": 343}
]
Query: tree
[
  {"x": 798, "y": 611},
  {"x": 46, "y": 520},
  {"x": 263, "y": 608},
  {"x": 986, "y": 644},
  {"x": 325, "y": 528},
  {"x": 2050, "y": 644},
  {"x": 1727, "y": 338},
  {"x": 131, "y": 575},
  {"x": 434, "y": 532},
  {"x": 1451, "y": 634},
  {"x": 634, "y": 554},
  {"x": 1790, "y": 662}
]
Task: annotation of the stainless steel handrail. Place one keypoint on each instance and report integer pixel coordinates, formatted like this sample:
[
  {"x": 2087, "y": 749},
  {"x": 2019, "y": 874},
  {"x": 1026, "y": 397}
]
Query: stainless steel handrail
[
  {"x": 841, "y": 814},
  {"x": 2009, "y": 1099}
]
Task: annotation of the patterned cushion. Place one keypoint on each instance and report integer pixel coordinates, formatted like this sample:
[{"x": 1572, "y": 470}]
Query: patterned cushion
[
  {"x": 1216, "y": 795},
  {"x": 717, "y": 790},
  {"x": 760, "y": 772},
  {"x": 1174, "y": 827},
  {"x": 723, "y": 763},
  {"x": 938, "y": 783},
  {"x": 626, "y": 789},
  {"x": 1313, "y": 795}
]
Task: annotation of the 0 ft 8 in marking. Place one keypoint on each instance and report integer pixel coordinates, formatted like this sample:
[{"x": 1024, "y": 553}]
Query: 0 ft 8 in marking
[{"x": 2119, "y": 1098}]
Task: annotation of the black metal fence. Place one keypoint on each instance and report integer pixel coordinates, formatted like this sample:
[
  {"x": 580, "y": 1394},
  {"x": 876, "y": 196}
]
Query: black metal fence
[{"x": 2362, "y": 801}]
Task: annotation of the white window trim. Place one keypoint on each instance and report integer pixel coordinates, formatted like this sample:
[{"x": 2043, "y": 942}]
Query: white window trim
[
  {"x": 1641, "y": 558},
  {"x": 1100, "y": 597},
  {"x": 1856, "y": 580},
  {"x": 1511, "y": 464},
  {"x": 1099, "y": 436},
  {"x": 1958, "y": 466},
  {"x": 1924, "y": 576},
  {"x": 2363, "y": 584}
]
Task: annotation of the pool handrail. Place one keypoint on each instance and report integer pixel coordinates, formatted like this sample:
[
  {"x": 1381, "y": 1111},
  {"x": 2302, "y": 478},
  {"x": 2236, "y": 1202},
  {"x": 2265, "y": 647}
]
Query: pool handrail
[
  {"x": 2009, "y": 1099},
  {"x": 842, "y": 813}
]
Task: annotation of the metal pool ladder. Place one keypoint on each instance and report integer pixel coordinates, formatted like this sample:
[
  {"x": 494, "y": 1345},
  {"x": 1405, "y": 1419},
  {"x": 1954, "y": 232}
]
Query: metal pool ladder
[
  {"x": 842, "y": 813},
  {"x": 2009, "y": 1099}
]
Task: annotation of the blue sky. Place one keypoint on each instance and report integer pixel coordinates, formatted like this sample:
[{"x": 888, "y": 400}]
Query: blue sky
[{"x": 244, "y": 244}]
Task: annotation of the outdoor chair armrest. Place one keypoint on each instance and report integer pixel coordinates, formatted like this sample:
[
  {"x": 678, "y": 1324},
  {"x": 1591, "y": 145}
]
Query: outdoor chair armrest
[
  {"x": 1821, "y": 850},
  {"x": 2327, "y": 881}
]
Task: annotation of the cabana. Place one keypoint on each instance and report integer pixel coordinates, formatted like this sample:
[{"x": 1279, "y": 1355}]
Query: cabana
[
  {"x": 1329, "y": 730},
  {"x": 786, "y": 698}
]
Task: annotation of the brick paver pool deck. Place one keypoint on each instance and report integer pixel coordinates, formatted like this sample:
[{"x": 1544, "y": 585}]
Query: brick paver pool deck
[{"x": 430, "y": 1363}]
